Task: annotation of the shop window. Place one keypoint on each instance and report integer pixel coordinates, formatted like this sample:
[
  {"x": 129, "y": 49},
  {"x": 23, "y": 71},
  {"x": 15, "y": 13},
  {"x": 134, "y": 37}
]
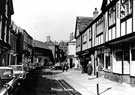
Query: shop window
[
  {"x": 119, "y": 56},
  {"x": 126, "y": 56},
  {"x": 108, "y": 61},
  {"x": 133, "y": 54}
]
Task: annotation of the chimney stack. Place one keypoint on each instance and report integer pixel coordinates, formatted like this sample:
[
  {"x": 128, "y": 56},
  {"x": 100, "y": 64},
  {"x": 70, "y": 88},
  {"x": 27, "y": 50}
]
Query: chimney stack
[
  {"x": 71, "y": 36},
  {"x": 48, "y": 38},
  {"x": 95, "y": 13}
]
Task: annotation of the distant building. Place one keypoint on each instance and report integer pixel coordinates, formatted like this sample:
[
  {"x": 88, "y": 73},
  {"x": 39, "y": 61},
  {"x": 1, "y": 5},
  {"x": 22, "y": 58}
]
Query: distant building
[
  {"x": 63, "y": 50},
  {"x": 81, "y": 24},
  {"x": 53, "y": 46},
  {"x": 71, "y": 54},
  {"x": 24, "y": 46},
  {"x": 42, "y": 54}
]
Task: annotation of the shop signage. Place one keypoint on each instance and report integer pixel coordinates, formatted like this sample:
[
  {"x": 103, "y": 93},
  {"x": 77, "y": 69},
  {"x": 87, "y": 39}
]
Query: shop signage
[{"x": 107, "y": 50}]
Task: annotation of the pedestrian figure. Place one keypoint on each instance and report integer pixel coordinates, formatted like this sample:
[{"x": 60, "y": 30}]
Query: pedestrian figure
[
  {"x": 64, "y": 66},
  {"x": 90, "y": 68}
]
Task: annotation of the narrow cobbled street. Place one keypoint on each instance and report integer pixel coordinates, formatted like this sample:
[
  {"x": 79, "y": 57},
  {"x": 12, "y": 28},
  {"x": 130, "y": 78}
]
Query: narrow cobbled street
[{"x": 43, "y": 82}]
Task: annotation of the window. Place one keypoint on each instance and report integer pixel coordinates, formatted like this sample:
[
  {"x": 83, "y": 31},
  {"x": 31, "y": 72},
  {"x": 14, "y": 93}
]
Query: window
[
  {"x": 133, "y": 54},
  {"x": 126, "y": 56},
  {"x": 119, "y": 56},
  {"x": 78, "y": 42},
  {"x": 90, "y": 33},
  {"x": 107, "y": 61},
  {"x": 126, "y": 8},
  {"x": 5, "y": 31},
  {"x": 84, "y": 38},
  {"x": 100, "y": 25},
  {"x": 112, "y": 15}
]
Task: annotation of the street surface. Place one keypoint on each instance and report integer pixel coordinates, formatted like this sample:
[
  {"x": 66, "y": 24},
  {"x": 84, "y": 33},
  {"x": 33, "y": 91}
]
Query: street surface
[{"x": 44, "y": 82}]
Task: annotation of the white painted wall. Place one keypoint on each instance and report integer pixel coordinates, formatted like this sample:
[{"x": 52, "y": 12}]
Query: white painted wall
[
  {"x": 116, "y": 65},
  {"x": 71, "y": 49}
]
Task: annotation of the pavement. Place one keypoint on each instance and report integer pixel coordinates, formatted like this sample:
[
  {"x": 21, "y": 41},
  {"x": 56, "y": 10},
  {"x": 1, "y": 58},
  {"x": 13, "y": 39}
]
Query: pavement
[{"x": 87, "y": 85}]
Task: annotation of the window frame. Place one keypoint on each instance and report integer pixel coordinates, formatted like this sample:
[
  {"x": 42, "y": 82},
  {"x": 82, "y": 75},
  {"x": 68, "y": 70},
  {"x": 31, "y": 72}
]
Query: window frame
[
  {"x": 112, "y": 12},
  {"x": 125, "y": 3}
]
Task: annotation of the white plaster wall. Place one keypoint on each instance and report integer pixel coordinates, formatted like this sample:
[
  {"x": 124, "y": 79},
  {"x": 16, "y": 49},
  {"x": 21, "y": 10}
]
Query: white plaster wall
[
  {"x": 126, "y": 67},
  {"x": 132, "y": 68},
  {"x": 71, "y": 49},
  {"x": 116, "y": 65}
]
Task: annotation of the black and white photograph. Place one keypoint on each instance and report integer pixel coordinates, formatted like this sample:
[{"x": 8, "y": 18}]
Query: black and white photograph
[{"x": 67, "y": 47}]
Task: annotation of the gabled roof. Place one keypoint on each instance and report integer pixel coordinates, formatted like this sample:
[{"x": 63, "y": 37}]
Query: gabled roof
[
  {"x": 104, "y": 3},
  {"x": 50, "y": 43},
  {"x": 40, "y": 44},
  {"x": 82, "y": 23}
]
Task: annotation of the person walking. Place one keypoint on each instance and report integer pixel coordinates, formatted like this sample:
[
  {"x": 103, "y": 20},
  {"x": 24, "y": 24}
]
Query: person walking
[
  {"x": 64, "y": 66},
  {"x": 89, "y": 68}
]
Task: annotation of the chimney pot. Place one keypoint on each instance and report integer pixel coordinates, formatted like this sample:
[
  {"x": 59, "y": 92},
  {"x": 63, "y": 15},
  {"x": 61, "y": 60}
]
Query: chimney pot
[{"x": 95, "y": 13}]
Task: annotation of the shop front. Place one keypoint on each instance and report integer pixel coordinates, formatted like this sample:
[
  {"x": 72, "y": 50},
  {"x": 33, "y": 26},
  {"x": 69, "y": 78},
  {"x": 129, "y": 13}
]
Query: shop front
[
  {"x": 117, "y": 62},
  {"x": 132, "y": 63}
]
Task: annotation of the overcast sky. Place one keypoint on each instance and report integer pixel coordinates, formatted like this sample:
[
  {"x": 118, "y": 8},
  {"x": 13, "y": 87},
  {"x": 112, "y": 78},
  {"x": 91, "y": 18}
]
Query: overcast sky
[{"x": 55, "y": 18}]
